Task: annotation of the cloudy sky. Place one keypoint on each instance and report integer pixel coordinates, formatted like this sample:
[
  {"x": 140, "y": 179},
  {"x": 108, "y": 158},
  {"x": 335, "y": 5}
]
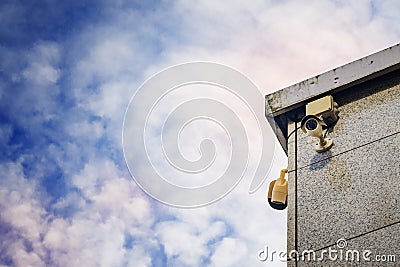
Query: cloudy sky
[{"x": 67, "y": 72}]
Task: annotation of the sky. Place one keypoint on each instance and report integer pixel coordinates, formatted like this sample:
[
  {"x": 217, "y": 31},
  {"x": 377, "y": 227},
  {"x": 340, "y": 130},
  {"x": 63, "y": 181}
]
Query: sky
[{"x": 68, "y": 70}]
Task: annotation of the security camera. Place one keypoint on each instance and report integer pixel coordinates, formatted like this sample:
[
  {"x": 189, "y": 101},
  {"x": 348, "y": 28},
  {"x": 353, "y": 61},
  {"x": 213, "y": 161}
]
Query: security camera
[
  {"x": 321, "y": 116},
  {"x": 315, "y": 127},
  {"x": 278, "y": 191},
  {"x": 324, "y": 108}
]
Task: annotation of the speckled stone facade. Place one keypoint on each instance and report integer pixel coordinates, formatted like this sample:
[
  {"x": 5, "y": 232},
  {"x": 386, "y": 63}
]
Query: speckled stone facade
[{"x": 350, "y": 193}]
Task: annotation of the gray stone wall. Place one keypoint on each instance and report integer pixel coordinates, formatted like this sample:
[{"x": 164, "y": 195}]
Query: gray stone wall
[{"x": 351, "y": 192}]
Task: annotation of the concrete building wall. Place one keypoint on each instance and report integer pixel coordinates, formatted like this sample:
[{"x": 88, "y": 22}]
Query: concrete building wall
[
  {"x": 345, "y": 200},
  {"x": 352, "y": 191}
]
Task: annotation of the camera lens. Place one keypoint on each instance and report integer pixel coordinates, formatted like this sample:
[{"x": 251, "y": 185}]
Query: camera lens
[{"x": 311, "y": 124}]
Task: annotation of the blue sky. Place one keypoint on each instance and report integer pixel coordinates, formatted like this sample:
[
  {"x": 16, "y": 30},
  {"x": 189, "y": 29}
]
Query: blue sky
[{"x": 67, "y": 72}]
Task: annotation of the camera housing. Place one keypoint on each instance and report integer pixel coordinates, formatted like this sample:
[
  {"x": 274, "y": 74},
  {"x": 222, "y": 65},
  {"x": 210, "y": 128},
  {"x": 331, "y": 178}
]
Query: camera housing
[
  {"x": 324, "y": 108},
  {"x": 278, "y": 191},
  {"x": 322, "y": 115}
]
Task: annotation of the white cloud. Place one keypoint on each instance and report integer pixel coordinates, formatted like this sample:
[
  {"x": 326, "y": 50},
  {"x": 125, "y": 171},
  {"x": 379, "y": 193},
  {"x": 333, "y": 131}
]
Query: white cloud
[
  {"x": 41, "y": 70},
  {"x": 110, "y": 210},
  {"x": 30, "y": 97},
  {"x": 267, "y": 40},
  {"x": 229, "y": 252},
  {"x": 91, "y": 130},
  {"x": 186, "y": 244},
  {"x": 94, "y": 235},
  {"x": 21, "y": 210},
  {"x": 274, "y": 43}
]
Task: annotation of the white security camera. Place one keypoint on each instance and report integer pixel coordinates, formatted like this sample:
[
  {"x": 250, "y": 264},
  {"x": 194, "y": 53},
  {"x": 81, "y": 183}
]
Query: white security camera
[
  {"x": 321, "y": 116},
  {"x": 278, "y": 191},
  {"x": 315, "y": 127}
]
